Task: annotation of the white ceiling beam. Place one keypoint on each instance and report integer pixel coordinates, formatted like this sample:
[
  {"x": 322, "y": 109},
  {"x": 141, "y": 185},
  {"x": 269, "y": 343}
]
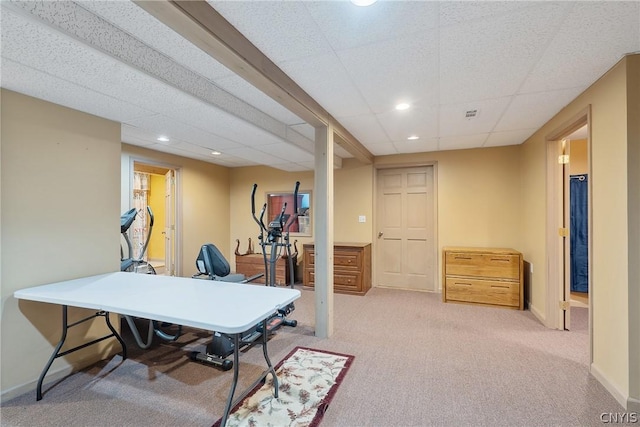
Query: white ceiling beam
[{"x": 203, "y": 26}]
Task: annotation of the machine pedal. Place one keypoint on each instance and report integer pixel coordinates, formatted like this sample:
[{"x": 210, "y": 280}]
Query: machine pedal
[{"x": 211, "y": 360}]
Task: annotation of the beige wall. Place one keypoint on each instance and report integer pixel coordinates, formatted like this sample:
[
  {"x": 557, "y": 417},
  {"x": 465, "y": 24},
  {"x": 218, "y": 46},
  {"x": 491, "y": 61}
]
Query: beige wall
[
  {"x": 60, "y": 202},
  {"x": 478, "y": 195},
  {"x": 633, "y": 214},
  {"x": 202, "y": 205},
  {"x": 609, "y": 179},
  {"x": 352, "y": 197}
]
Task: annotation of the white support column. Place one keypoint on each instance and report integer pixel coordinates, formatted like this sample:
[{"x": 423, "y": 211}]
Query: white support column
[{"x": 323, "y": 230}]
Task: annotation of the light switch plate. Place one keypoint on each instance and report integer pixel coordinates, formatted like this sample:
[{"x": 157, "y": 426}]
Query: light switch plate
[{"x": 362, "y": 218}]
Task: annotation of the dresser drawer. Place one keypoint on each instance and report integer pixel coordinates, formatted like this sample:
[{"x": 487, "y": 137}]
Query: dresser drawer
[
  {"x": 347, "y": 260},
  {"x": 345, "y": 282},
  {"x": 502, "y": 266},
  {"x": 483, "y": 291}
]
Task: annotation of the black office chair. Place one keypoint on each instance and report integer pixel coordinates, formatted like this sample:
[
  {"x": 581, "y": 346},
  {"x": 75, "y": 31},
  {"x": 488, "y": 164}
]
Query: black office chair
[{"x": 211, "y": 263}]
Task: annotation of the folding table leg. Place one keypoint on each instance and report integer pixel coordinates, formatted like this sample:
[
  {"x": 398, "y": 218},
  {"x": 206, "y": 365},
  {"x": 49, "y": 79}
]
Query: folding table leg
[{"x": 65, "y": 327}]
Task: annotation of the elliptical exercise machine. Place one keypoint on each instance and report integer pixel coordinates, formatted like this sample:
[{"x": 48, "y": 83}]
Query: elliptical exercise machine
[
  {"x": 276, "y": 238},
  {"x": 131, "y": 264},
  {"x": 140, "y": 266}
]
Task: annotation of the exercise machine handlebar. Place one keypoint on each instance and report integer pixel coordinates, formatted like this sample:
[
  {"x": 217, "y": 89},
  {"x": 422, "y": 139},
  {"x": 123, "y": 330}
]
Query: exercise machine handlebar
[{"x": 260, "y": 221}]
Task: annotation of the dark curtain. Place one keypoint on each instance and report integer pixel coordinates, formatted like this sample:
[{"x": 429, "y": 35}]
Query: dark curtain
[{"x": 579, "y": 237}]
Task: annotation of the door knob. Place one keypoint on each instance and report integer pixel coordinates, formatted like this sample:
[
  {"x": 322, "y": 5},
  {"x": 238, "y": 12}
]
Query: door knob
[{"x": 380, "y": 233}]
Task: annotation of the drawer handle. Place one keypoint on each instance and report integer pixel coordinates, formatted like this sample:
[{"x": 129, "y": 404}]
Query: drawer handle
[
  {"x": 501, "y": 259},
  {"x": 462, "y": 257},
  {"x": 500, "y": 286},
  {"x": 464, "y": 284}
]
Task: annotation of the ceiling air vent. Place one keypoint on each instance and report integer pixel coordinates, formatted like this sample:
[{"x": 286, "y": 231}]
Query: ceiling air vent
[{"x": 471, "y": 114}]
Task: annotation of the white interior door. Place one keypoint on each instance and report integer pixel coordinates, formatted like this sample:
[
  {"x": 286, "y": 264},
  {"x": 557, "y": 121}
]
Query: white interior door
[
  {"x": 169, "y": 224},
  {"x": 405, "y": 250}
]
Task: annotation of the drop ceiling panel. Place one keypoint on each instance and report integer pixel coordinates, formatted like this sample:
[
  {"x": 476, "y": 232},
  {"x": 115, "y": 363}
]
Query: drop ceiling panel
[
  {"x": 462, "y": 142},
  {"x": 286, "y": 151},
  {"x": 217, "y": 122},
  {"x": 588, "y": 42},
  {"x": 529, "y": 110},
  {"x": 174, "y": 129},
  {"x": 417, "y": 146},
  {"x": 366, "y": 128},
  {"x": 517, "y": 62},
  {"x": 41, "y": 85},
  {"x": 242, "y": 89},
  {"x": 382, "y": 149},
  {"x": 490, "y": 58},
  {"x": 346, "y": 26},
  {"x": 256, "y": 156},
  {"x": 512, "y": 137},
  {"x": 453, "y": 119},
  {"x": 337, "y": 94},
  {"x": 462, "y": 12},
  {"x": 132, "y": 19},
  {"x": 421, "y": 121},
  {"x": 403, "y": 69},
  {"x": 282, "y": 30},
  {"x": 292, "y": 167}
]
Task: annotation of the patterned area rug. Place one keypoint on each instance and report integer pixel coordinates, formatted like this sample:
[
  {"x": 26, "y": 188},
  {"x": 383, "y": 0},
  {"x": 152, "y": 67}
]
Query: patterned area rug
[{"x": 307, "y": 379}]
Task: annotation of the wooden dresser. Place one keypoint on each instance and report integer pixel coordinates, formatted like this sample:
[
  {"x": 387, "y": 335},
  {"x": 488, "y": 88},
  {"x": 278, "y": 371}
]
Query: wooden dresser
[
  {"x": 487, "y": 276},
  {"x": 251, "y": 264},
  {"x": 351, "y": 267}
]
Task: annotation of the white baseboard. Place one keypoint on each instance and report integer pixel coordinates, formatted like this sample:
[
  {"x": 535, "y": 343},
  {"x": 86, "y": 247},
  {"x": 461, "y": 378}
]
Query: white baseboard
[
  {"x": 617, "y": 394},
  {"x": 633, "y": 405},
  {"x": 31, "y": 386}
]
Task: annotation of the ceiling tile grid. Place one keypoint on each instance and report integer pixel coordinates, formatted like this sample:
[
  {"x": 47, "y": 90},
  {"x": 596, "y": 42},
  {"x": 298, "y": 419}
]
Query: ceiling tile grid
[
  {"x": 515, "y": 63},
  {"x": 588, "y": 42},
  {"x": 130, "y": 18},
  {"x": 403, "y": 69},
  {"x": 490, "y": 58}
]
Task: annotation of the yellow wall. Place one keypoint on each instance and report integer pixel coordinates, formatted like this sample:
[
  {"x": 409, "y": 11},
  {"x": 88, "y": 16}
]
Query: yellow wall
[
  {"x": 202, "y": 205},
  {"x": 578, "y": 160},
  {"x": 157, "y": 204},
  {"x": 60, "y": 216},
  {"x": 609, "y": 179}
]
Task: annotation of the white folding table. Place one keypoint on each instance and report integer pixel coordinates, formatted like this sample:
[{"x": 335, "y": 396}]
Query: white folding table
[{"x": 229, "y": 308}]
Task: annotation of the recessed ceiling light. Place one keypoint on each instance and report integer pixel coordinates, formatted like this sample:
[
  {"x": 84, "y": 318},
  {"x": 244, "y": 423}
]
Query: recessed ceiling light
[
  {"x": 402, "y": 106},
  {"x": 363, "y": 2},
  {"x": 413, "y": 137},
  {"x": 163, "y": 138},
  {"x": 215, "y": 153}
]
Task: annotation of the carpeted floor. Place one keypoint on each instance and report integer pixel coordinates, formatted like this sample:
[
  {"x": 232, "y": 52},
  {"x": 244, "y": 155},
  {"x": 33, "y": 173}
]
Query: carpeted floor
[{"x": 418, "y": 362}]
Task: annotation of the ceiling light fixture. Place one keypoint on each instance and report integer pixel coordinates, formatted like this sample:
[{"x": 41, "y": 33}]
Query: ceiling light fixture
[
  {"x": 402, "y": 106},
  {"x": 215, "y": 153},
  {"x": 413, "y": 137},
  {"x": 363, "y": 3},
  {"x": 163, "y": 138}
]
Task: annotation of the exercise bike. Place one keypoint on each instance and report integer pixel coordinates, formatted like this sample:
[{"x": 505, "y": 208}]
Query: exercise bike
[{"x": 211, "y": 263}]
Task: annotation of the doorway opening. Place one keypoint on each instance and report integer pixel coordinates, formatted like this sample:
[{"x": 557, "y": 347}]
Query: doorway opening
[
  {"x": 154, "y": 186},
  {"x": 569, "y": 282}
]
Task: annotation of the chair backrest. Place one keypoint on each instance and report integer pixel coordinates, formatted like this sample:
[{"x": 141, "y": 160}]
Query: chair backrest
[{"x": 211, "y": 262}]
